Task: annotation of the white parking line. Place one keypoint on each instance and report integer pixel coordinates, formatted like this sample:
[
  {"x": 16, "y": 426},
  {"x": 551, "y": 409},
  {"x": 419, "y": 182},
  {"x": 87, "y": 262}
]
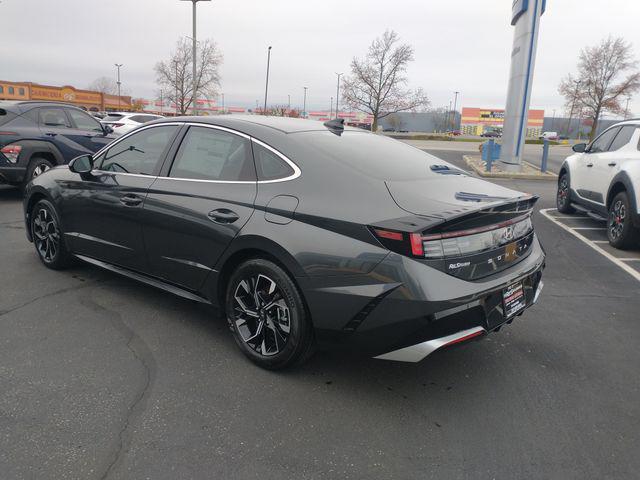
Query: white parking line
[
  {"x": 634, "y": 273},
  {"x": 629, "y": 259},
  {"x": 589, "y": 228}
]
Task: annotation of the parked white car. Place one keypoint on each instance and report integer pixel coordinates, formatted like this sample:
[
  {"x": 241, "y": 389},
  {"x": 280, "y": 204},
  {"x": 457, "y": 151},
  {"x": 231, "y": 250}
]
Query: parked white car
[
  {"x": 549, "y": 136},
  {"x": 603, "y": 178},
  {"x": 124, "y": 122}
]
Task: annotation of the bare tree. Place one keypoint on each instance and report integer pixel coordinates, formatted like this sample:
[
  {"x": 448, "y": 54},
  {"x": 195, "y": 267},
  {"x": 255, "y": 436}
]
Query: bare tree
[
  {"x": 607, "y": 74},
  {"x": 175, "y": 76},
  {"x": 283, "y": 111},
  {"x": 377, "y": 84},
  {"x": 104, "y": 85}
]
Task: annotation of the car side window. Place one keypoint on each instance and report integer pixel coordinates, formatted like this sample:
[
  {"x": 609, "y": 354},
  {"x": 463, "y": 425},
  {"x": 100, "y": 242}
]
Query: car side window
[
  {"x": 140, "y": 153},
  {"x": 269, "y": 165},
  {"x": 83, "y": 121},
  {"x": 53, "y": 117},
  {"x": 211, "y": 154},
  {"x": 601, "y": 144},
  {"x": 622, "y": 138}
]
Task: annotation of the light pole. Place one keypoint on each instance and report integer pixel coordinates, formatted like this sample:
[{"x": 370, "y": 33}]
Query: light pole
[
  {"x": 194, "y": 53},
  {"x": 161, "y": 100},
  {"x": 553, "y": 120},
  {"x": 626, "y": 108},
  {"x": 455, "y": 105},
  {"x": 289, "y": 103},
  {"x": 118, "y": 65},
  {"x": 222, "y": 102},
  {"x": 449, "y": 117},
  {"x": 338, "y": 93},
  {"x": 176, "y": 89},
  {"x": 266, "y": 87},
  {"x": 331, "y": 109},
  {"x": 304, "y": 104}
]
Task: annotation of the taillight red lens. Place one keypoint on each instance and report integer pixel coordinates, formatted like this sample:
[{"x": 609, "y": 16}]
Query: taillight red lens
[
  {"x": 388, "y": 234},
  {"x": 11, "y": 152},
  {"x": 416, "y": 244}
]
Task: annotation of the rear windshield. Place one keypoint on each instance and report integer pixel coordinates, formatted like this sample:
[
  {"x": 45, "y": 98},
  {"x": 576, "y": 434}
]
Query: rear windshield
[
  {"x": 5, "y": 116},
  {"x": 372, "y": 155}
]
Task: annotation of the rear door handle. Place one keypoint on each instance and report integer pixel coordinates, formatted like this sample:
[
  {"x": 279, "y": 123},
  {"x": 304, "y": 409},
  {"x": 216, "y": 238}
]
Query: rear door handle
[
  {"x": 589, "y": 164},
  {"x": 223, "y": 215},
  {"x": 131, "y": 200},
  {"x": 612, "y": 164}
]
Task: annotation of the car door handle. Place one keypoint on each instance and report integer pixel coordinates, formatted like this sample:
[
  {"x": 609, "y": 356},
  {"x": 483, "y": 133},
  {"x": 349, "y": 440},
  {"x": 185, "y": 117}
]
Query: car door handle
[
  {"x": 223, "y": 215},
  {"x": 131, "y": 200},
  {"x": 589, "y": 164},
  {"x": 50, "y": 134},
  {"x": 612, "y": 164}
]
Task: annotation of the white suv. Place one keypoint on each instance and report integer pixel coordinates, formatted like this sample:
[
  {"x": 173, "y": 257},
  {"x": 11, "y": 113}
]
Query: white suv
[{"x": 604, "y": 178}]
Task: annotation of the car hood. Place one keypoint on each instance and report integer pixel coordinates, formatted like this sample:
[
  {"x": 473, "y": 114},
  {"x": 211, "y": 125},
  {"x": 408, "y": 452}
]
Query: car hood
[{"x": 449, "y": 196}]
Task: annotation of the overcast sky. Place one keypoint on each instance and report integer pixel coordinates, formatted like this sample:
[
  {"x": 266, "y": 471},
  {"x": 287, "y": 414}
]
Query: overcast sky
[{"x": 459, "y": 45}]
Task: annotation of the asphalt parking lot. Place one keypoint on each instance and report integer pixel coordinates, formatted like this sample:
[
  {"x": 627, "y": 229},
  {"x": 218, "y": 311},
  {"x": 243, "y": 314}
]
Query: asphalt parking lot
[{"x": 101, "y": 377}]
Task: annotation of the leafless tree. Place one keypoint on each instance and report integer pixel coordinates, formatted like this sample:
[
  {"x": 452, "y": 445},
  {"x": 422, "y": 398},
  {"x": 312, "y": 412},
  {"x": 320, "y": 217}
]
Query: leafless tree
[
  {"x": 377, "y": 84},
  {"x": 283, "y": 111},
  {"x": 104, "y": 85},
  {"x": 175, "y": 76},
  {"x": 607, "y": 75}
]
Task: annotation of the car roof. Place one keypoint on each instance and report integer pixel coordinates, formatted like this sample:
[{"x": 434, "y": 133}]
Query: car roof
[
  {"x": 241, "y": 122},
  {"x": 24, "y": 105}
]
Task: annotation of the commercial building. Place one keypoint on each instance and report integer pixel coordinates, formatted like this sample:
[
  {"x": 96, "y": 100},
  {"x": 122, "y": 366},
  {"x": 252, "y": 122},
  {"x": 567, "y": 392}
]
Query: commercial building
[
  {"x": 87, "y": 99},
  {"x": 476, "y": 121}
]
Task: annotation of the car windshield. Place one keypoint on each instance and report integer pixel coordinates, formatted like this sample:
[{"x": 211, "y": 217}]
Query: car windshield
[{"x": 372, "y": 155}]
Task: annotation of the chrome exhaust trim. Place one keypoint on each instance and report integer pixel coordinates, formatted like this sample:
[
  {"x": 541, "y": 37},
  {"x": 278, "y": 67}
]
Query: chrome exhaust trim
[{"x": 415, "y": 353}]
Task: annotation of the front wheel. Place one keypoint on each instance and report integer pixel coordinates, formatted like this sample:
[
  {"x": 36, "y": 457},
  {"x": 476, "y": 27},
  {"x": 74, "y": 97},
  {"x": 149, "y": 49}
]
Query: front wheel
[
  {"x": 563, "y": 197},
  {"x": 47, "y": 236},
  {"x": 620, "y": 230},
  {"x": 267, "y": 316}
]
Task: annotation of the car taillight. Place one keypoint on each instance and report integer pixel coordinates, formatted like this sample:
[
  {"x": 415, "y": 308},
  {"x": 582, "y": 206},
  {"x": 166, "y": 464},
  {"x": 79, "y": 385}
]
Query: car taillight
[
  {"x": 476, "y": 240},
  {"x": 455, "y": 243},
  {"x": 116, "y": 125},
  {"x": 11, "y": 152}
]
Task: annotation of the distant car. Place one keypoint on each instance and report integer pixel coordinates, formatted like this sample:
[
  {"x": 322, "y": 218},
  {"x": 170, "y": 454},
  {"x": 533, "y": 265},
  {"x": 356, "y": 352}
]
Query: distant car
[
  {"x": 123, "y": 122},
  {"x": 603, "y": 178},
  {"x": 491, "y": 134},
  {"x": 549, "y": 136},
  {"x": 455, "y": 133},
  {"x": 37, "y": 136}
]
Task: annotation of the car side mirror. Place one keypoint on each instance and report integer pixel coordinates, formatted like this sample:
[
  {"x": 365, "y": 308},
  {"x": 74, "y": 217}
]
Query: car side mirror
[
  {"x": 579, "y": 147},
  {"x": 82, "y": 164},
  {"x": 107, "y": 129}
]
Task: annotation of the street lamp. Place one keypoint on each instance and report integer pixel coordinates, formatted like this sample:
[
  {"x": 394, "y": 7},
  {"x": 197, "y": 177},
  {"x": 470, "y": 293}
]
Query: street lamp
[
  {"x": 194, "y": 53},
  {"x": 455, "y": 105},
  {"x": 266, "y": 87},
  {"x": 338, "y": 93},
  {"x": 331, "y": 108},
  {"x": 118, "y": 65},
  {"x": 304, "y": 105}
]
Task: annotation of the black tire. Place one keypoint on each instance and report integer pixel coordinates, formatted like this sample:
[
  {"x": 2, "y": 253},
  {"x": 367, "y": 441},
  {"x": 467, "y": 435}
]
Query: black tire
[
  {"x": 267, "y": 315},
  {"x": 48, "y": 237},
  {"x": 620, "y": 229},
  {"x": 37, "y": 166},
  {"x": 563, "y": 195}
]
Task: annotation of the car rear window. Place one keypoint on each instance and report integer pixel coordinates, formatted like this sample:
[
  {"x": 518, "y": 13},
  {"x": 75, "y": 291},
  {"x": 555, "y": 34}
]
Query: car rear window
[
  {"x": 372, "y": 155},
  {"x": 5, "y": 116}
]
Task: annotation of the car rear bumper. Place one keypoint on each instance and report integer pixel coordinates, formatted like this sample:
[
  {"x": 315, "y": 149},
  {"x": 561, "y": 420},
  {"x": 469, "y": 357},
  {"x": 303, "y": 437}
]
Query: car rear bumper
[
  {"x": 12, "y": 174},
  {"x": 410, "y": 305}
]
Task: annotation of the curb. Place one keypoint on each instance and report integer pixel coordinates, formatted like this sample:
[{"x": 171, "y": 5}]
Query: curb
[{"x": 508, "y": 175}]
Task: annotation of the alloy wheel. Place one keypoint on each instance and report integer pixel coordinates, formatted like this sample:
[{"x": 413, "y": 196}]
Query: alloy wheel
[
  {"x": 40, "y": 169},
  {"x": 262, "y": 317},
  {"x": 563, "y": 191},
  {"x": 616, "y": 219},
  {"x": 46, "y": 235}
]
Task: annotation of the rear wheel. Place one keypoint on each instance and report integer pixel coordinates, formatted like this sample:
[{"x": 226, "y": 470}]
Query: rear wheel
[
  {"x": 47, "y": 236},
  {"x": 563, "y": 198},
  {"x": 37, "y": 167},
  {"x": 267, "y": 315},
  {"x": 620, "y": 230}
]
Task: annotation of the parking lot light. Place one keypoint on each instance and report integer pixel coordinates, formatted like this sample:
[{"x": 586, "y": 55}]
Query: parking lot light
[{"x": 194, "y": 53}]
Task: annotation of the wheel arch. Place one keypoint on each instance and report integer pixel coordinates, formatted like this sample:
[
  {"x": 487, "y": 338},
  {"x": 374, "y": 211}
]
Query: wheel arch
[
  {"x": 253, "y": 246},
  {"x": 622, "y": 183},
  {"x": 42, "y": 149}
]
